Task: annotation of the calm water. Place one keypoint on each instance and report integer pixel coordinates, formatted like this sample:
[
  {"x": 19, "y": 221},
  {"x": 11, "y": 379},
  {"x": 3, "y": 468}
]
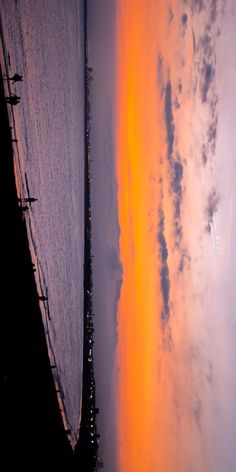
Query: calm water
[{"x": 44, "y": 40}]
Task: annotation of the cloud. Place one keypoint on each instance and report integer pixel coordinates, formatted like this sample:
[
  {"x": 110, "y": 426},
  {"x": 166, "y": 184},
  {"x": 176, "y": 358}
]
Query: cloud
[
  {"x": 205, "y": 44},
  {"x": 209, "y": 146},
  {"x": 184, "y": 259},
  {"x": 197, "y": 6},
  {"x": 168, "y": 342},
  {"x": 212, "y": 134},
  {"x": 204, "y": 47},
  {"x": 197, "y": 413},
  {"x": 177, "y": 170},
  {"x": 164, "y": 271},
  {"x": 160, "y": 78},
  {"x": 208, "y": 75},
  {"x": 204, "y": 154},
  {"x": 169, "y": 120},
  {"x": 184, "y": 19},
  {"x": 213, "y": 11},
  {"x": 184, "y": 22},
  {"x": 177, "y": 175},
  {"x": 212, "y": 204},
  {"x": 176, "y": 166},
  {"x": 165, "y": 286},
  {"x": 176, "y": 104},
  {"x": 210, "y": 373},
  {"x": 179, "y": 86},
  {"x": 213, "y": 104},
  {"x": 170, "y": 15}
]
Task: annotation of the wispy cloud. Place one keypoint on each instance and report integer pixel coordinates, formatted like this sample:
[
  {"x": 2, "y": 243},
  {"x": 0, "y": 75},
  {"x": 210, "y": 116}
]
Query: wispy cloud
[
  {"x": 209, "y": 145},
  {"x": 164, "y": 270},
  {"x": 160, "y": 75},
  {"x": 184, "y": 19},
  {"x": 197, "y": 413},
  {"x": 168, "y": 342},
  {"x": 170, "y": 15},
  {"x": 208, "y": 75},
  {"x": 213, "y": 11},
  {"x": 184, "y": 260},
  {"x": 175, "y": 164},
  {"x": 197, "y": 6},
  {"x": 205, "y": 44},
  {"x": 212, "y": 204},
  {"x": 169, "y": 120},
  {"x": 176, "y": 178},
  {"x": 204, "y": 154},
  {"x": 212, "y": 134},
  {"x": 179, "y": 86}
]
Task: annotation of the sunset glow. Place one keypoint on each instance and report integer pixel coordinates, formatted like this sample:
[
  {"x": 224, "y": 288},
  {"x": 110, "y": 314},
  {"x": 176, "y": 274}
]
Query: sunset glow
[
  {"x": 161, "y": 117},
  {"x": 139, "y": 144}
]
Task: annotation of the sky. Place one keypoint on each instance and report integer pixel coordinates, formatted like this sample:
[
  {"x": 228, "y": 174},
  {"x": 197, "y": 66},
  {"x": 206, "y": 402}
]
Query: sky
[{"x": 163, "y": 145}]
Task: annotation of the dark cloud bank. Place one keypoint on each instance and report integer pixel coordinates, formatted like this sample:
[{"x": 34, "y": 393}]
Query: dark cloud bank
[{"x": 176, "y": 166}]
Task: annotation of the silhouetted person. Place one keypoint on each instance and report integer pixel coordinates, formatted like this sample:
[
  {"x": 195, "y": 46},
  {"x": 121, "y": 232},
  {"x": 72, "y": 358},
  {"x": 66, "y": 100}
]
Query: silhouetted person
[
  {"x": 24, "y": 208},
  {"x": 13, "y": 97},
  {"x": 29, "y": 199},
  {"x": 13, "y": 100},
  {"x": 15, "y": 78},
  {"x": 42, "y": 298}
]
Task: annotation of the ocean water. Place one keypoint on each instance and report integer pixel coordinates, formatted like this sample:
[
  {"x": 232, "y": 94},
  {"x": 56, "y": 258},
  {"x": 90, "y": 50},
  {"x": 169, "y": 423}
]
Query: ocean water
[{"x": 43, "y": 41}]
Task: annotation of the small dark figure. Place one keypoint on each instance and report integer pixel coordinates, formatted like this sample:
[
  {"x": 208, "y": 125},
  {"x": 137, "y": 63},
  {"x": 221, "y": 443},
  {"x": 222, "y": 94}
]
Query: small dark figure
[
  {"x": 29, "y": 199},
  {"x": 42, "y": 298},
  {"x": 11, "y": 97},
  {"x": 15, "y": 78},
  {"x": 13, "y": 100},
  {"x": 24, "y": 208}
]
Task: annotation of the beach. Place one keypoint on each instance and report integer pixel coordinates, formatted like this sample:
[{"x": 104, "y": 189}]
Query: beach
[
  {"x": 48, "y": 159},
  {"x": 32, "y": 432}
]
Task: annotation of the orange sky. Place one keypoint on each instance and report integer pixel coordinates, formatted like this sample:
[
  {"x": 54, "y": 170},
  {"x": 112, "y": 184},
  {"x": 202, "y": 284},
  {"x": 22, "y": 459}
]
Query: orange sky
[
  {"x": 139, "y": 145},
  {"x": 156, "y": 398}
]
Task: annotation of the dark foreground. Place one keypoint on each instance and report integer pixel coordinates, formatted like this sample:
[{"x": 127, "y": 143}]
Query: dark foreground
[{"x": 32, "y": 433}]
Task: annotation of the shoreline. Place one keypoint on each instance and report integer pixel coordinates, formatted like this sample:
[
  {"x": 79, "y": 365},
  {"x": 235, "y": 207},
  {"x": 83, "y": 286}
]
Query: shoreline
[
  {"x": 22, "y": 189},
  {"x": 32, "y": 421},
  {"x": 53, "y": 437}
]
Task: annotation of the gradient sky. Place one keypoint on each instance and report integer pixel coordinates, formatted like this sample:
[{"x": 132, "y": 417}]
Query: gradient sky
[{"x": 173, "y": 196}]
